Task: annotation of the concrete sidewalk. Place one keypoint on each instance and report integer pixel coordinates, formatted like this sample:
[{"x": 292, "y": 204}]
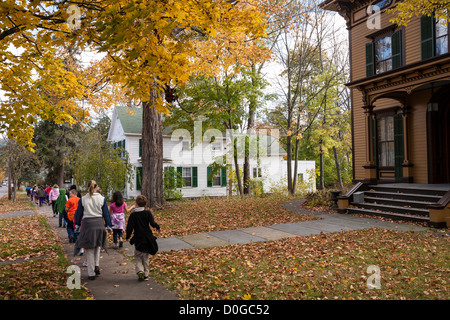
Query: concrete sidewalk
[
  {"x": 326, "y": 222},
  {"x": 118, "y": 280}
]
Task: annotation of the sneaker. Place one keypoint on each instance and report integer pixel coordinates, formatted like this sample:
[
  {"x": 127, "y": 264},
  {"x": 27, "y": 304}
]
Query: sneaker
[
  {"x": 85, "y": 263},
  {"x": 141, "y": 276},
  {"x": 145, "y": 278},
  {"x": 97, "y": 270},
  {"x": 91, "y": 278},
  {"x": 120, "y": 244}
]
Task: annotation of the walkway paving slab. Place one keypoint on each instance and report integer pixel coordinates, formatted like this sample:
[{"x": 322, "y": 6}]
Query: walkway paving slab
[
  {"x": 267, "y": 233},
  {"x": 236, "y": 236},
  {"x": 324, "y": 226},
  {"x": 295, "y": 229},
  {"x": 172, "y": 243},
  {"x": 204, "y": 240}
]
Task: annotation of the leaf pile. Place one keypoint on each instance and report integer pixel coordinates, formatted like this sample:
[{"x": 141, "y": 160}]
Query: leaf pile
[
  {"x": 324, "y": 266},
  {"x": 32, "y": 265},
  {"x": 225, "y": 213}
]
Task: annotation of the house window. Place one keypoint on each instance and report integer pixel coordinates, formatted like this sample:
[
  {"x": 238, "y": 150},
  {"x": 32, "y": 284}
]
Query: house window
[
  {"x": 185, "y": 146},
  {"x": 434, "y": 36},
  {"x": 257, "y": 173},
  {"x": 384, "y": 53},
  {"x": 382, "y": 3},
  {"x": 216, "y": 146},
  {"x": 386, "y": 155},
  {"x": 441, "y": 30},
  {"x": 187, "y": 177},
  {"x": 217, "y": 180}
]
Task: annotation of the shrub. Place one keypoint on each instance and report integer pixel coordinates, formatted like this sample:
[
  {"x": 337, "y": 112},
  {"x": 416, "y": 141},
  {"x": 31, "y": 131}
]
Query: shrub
[{"x": 319, "y": 198}]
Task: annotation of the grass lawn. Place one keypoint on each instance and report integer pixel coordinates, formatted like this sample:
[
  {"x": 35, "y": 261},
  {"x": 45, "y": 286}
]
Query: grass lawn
[
  {"x": 32, "y": 263},
  {"x": 327, "y": 266},
  {"x": 188, "y": 217}
]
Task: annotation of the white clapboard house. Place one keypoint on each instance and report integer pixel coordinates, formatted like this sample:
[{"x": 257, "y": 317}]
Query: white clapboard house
[{"x": 193, "y": 160}]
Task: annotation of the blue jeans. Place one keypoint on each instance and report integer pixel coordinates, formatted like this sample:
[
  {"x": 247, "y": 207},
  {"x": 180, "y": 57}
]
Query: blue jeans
[
  {"x": 71, "y": 232},
  {"x": 61, "y": 219},
  {"x": 117, "y": 233}
]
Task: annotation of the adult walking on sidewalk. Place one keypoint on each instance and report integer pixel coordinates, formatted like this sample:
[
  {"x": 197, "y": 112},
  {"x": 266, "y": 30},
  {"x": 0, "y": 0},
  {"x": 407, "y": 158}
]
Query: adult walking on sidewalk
[{"x": 92, "y": 215}]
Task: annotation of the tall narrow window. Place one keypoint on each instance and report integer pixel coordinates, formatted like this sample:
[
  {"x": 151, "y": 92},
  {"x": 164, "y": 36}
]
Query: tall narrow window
[
  {"x": 383, "y": 54},
  {"x": 386, "y": 155}
]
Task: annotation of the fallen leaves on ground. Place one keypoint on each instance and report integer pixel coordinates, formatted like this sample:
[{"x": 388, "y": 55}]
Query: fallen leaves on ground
[
  {"x": 22, "y": 237},
  {"x": 325, "y": 266},
  {"x": 188, "y": 217},
  {"x": 22, "y": 203},
  {"x": 32, "y": 265}
]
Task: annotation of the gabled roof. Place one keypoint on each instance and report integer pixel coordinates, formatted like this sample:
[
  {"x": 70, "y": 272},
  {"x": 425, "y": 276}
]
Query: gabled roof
[{"x": 130, "y": 118}]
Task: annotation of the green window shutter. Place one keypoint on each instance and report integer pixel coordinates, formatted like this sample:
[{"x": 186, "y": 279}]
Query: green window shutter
[
  {"x": 208, "y": 176},
  {"x": 396, "y": 39},
  {"x": 140, "y": 147},
  {"x": 138, "y": 178},
  {"x": 398, "y": 146},
  {"x": 370, "y": 59},
  {"x": 224, "y": 177},
  {"x": 194, "y": 177},
  {"x": 180, "y": 173},
  {"x": 427, "y": 36},
  {"x": 172, "y": 181},
  {"x": 122, "y": 146}
]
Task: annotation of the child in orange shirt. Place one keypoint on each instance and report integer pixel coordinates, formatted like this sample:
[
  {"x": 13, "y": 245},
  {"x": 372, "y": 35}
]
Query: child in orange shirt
[{"x": 71, "y": 208}]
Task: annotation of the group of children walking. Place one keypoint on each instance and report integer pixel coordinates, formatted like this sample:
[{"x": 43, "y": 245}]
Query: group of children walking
[{"x": 74, "y": 210}]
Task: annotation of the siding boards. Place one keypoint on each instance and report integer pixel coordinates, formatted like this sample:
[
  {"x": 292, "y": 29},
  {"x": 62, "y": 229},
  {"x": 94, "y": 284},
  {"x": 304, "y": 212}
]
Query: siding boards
[{"x": 358, "y": 36}]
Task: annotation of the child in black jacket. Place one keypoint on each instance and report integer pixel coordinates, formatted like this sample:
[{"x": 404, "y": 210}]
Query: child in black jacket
[{"x": 143, "y": 239}]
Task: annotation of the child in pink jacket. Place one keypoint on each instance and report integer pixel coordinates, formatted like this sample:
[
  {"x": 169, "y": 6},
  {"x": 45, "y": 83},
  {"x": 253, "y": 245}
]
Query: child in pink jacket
[{"x": 52, "y": 196}]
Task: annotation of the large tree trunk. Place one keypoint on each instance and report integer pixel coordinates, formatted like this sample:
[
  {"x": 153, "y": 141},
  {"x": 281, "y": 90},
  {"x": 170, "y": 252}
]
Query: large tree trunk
[
  {"x": 60, "y": 175},
  {"x": 152, "y": 155}
]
